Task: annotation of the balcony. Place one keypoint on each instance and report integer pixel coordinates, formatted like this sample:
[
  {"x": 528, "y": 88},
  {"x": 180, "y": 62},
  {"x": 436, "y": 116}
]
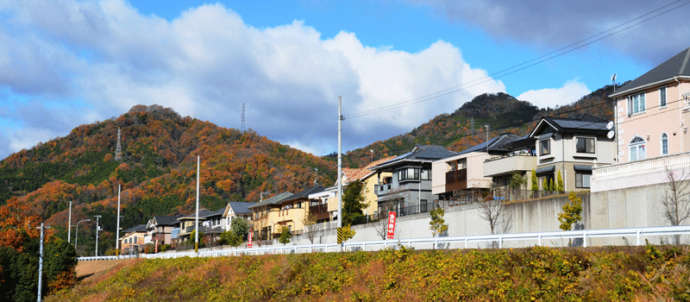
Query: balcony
[
  {"x": 456, "y": 180},
  {"x": 382, "y": 189},
  {"x": 319, "y": 212},
  {"x": 509, "y": 164}
]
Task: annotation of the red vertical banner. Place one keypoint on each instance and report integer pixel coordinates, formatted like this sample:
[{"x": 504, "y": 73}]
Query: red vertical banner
[
  {"x": 391, "y": 225},
  {"x": 249, "y": 242}
]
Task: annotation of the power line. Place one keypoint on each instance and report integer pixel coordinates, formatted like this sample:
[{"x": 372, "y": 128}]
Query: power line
[{"x": 656, "y": 12}]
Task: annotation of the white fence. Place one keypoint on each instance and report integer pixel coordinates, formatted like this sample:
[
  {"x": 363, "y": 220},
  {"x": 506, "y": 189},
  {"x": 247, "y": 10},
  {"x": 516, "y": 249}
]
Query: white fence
[{"x": 556, "y": 239}]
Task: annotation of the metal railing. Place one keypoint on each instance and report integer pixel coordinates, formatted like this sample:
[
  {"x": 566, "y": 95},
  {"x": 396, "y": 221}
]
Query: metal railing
[{"x": 495, "y": 241}]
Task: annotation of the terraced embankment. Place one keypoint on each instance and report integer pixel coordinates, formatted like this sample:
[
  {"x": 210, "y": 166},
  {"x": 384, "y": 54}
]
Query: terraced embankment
[{"x": 598, "y": 274}]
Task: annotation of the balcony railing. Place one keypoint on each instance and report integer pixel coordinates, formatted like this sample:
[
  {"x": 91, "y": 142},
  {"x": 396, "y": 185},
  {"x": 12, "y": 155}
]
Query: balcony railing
[
  {"x": 319, "y": 212},
  {"x": 456, "y": 180},
  {"x": 382, "y": 188},
  {"x": 508, "y": 164}
]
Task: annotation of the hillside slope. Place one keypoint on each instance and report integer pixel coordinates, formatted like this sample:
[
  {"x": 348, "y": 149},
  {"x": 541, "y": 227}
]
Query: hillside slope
[
  {"x": 502, "y": 112},
  {"x": 542, "y": 274},
  {"x": 157, "y": 170}
]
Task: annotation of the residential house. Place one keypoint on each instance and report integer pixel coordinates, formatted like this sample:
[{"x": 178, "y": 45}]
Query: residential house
[
  {"x": 467, "y": 177},
  {"x": 211, "y": 224},
  {"x": 236, "y": 209},
  {"x": 573, "y": 148},
  {"x": 653, "y": 111},
  {"x": 324, "y": 204},
  {"x": 265, "y": 215},
  {"x": 294, "y": 210},
  {"x": 159, "y": 230},
  {"x": 408, "y": 188},
  {"x": 133, "y": 239}
]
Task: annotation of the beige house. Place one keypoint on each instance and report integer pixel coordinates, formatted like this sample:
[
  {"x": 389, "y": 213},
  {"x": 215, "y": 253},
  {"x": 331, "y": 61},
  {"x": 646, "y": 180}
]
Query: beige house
[
  {"x": 133, "y": 239},
  {"x": 293, "y": 211},
  {"x": 159, "y": 230},
  {"x": 653, "y": 111},
  {"x": 573, "y": 148},
  {"x": 265, "y": 216}
]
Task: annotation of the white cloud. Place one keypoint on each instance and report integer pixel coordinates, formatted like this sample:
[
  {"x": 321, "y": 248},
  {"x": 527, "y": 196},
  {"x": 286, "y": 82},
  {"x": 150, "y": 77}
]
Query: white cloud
[
  {"x": 556, "y": 97},
  {"x": 207, "y": 62}
]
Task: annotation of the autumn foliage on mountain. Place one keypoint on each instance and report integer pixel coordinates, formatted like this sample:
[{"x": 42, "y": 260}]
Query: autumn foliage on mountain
[
  {"x": 157, "y": 171},
  {"x": 501, "y": 112}
]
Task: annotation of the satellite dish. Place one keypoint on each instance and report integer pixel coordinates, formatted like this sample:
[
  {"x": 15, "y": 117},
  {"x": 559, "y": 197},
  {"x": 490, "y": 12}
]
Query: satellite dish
[
  {"x": 609, "y": 126},
  {"x": 610, "y": 134}
]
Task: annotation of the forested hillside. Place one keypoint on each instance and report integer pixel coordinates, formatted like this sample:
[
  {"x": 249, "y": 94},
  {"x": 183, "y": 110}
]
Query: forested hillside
[
  {"x": 502, "y": 112},
  {"x": 157, "y": 171}
]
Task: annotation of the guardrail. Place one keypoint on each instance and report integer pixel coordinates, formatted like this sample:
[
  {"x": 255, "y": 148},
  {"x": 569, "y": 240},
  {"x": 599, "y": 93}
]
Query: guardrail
[{"x": 496, "y": 241}]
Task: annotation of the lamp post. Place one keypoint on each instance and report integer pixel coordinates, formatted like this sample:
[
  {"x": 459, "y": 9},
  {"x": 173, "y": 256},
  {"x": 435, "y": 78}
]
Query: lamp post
[
  {"x": 98, "y": 229},
  {"x": 76, "y": 232},
  {"x": 40, "y": 264}
]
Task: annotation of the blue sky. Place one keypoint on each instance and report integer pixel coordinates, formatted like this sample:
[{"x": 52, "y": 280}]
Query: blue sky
[{"x": 65, "y": 63}]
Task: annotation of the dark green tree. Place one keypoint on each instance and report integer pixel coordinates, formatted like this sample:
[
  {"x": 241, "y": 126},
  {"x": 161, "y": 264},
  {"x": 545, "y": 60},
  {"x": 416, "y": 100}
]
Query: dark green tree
[
  {"x": 285, "y": 235},
  {"x": 352, "y": 203}
]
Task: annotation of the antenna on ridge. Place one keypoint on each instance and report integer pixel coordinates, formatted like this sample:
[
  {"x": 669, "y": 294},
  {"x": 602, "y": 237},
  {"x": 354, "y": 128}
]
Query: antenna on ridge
[
  {"x": 243, "y": 126},
  {"x": 118, "y": 147}
]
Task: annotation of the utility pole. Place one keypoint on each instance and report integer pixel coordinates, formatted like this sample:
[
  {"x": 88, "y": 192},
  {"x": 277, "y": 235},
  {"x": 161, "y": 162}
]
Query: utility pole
[
  {"x": 69, "y": 223},
  {"x": 340, "y": 154},
  {"x": 98, "y": 229},
  {"x": 117, "y": 225},
  {"x": 76, "y": 234},
  {"x": 196, "y": 216},
  {"x": 615, "y": 118},
  {"x": 40, "y": 266},
  {"x": 486, "y": 129}
]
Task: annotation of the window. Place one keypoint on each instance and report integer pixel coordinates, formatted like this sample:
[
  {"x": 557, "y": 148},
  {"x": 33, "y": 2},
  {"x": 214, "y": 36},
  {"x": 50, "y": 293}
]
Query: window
[
  {"x": 425, "y": 174},
  {"x": 662, "y": 97},
  {"x": 408, "y": 174},
  {"x": 585, "y": 145},
  {"x": 545, "y": 147},
  {"x": 423, "y": 206},
  {"x": 582, "y": 179},
  {"x": 664, "y": 144},
  {"x": 638, "y": 149},
  {"x": 636, "y": 104}
]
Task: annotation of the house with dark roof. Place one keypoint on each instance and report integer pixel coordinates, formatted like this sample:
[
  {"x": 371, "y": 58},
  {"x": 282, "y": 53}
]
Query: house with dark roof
[
  {"x": 572, "y": 148},
  {"x": 265, "y": 215},
  {"x": 159, "y": 230},
  {"x": 133, "y": 240},
  {"x": 211, "y": 224},
  {"x": 294, "y": 210},
  {"x": 471, "y": 173},
  {"x": 408, "y": 189},
  {"x": 652, "y": 112},
  {"x": 236, "y": 209}
]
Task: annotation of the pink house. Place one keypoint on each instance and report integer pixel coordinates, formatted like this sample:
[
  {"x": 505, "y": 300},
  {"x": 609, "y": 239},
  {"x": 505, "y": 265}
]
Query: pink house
[{"x": 653, "y": 112}]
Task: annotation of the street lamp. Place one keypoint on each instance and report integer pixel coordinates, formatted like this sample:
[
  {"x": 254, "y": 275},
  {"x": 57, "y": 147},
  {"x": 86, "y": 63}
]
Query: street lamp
[{"x": 76, "y": 233}]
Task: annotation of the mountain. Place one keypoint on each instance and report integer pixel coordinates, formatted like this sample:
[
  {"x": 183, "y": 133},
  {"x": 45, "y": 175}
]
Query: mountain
[
  {"x": 157, "y": 170},
  {"x": 501, "y": 112}
]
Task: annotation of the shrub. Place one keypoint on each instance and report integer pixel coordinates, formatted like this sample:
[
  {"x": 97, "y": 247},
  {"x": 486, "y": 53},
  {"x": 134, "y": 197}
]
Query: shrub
[{"x": 285, "y": 235}]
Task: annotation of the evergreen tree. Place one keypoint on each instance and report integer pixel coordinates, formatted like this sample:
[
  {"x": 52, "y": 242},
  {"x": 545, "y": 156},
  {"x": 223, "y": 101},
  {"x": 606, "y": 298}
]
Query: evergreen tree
[
  {"x": 559, "y": 183},
  {"x": 535, "y": 181},
  {"x": 438, "y": 224},
  {"x": 285, "y": 235},
  {"x": 352, "y": 203}
]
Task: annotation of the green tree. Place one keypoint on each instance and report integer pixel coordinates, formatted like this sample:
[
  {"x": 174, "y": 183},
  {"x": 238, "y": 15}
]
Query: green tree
[
  {"x": 552, "y": 187},
  {"x": 545, "y": 184},
  {"x": 572, "y": 212},
  {"x": 437, "y": 224},
  {"x": 239, "y": 228},
  {"x": 517, "y": 181},
  {"x": 559, "y": 183},
  {"x": 535, "y": 181},
  {"x": 190, "y": 241},
  {"x": 352, "y": 203},
  {"x": 230, "y": 238},
  {"x": 285, "y": 235}
]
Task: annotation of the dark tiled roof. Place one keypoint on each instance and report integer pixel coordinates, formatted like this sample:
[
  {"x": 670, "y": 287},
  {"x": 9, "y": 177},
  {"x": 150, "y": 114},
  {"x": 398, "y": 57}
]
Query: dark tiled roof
[
  {"x": 678, "y": 65},
  {"x": 136, "y": 228},
  {"x": 498, "y": 143},
  {"x": 273, "y": 200},
  {"x": 240, "y": 207},
  {"x": 305, "y": 193},
  {"x": 420, "y": 153},
  {"x": 166, "y": 220},
  {"x": 570, "y": 126}
]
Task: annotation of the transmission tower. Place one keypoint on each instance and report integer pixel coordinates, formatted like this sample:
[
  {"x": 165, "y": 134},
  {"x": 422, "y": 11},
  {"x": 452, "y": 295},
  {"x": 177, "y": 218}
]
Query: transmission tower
[
  {"x": 118, "y": 147},
  {"x": 243, "y": 127},
  {"x": 472, "y": 125}
]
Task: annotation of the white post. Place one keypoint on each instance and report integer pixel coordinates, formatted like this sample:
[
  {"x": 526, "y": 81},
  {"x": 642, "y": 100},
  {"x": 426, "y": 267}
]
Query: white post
[
  {"x": 40, "y": 266},
  {"x": 69, "y": 223},
  {"x": 196, "y": 216},
  {"x": 117, "y": 224},
  {"x": 419, "y": 192},
  {"x": 98, "y": 228},
  {"x": 340, "y": 178}
]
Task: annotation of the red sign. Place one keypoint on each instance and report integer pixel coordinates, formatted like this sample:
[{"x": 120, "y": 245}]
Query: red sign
[
  {"x": 391, "y": 225},
  {"x": 249, "y": 244}
]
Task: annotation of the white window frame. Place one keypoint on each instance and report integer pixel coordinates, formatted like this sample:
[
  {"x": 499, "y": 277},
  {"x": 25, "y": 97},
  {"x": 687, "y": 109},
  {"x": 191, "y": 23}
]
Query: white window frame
[
  {"x": 662, "y": 97},
  {"x": 664, "y": 143},
  {"x": 636, "y": 147},
  {"x": 636, "y": 104}
]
